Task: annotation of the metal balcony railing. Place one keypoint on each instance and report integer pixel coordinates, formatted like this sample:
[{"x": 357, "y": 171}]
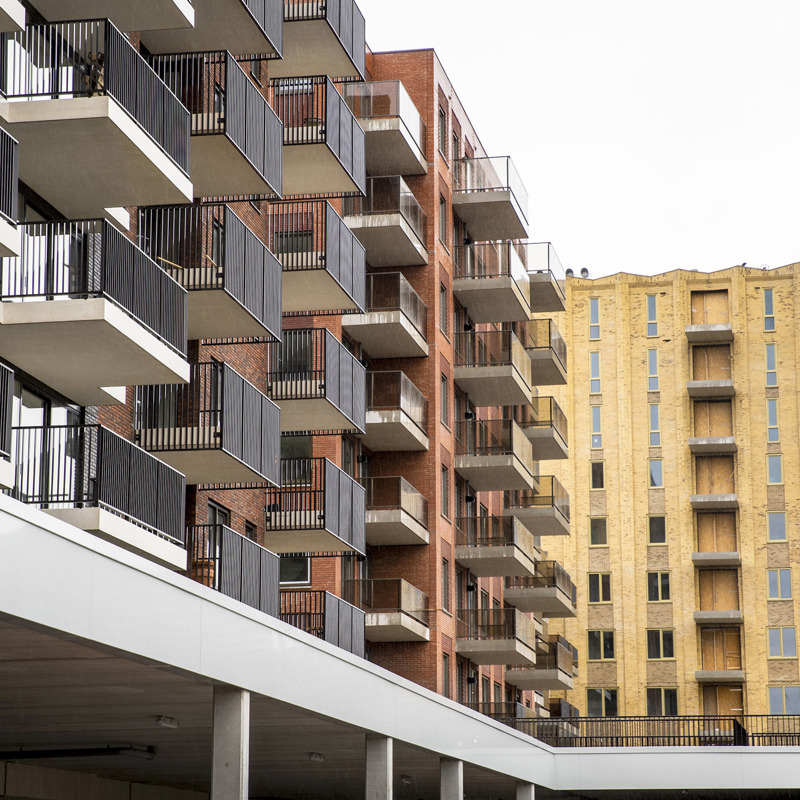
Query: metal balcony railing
[
  {"x": 389, "y": 196},
  {"x": 490, "y": 532},
  {"x": 487, "y": 349},
  {"x": 325, "y": 616},
  {"x": 486, "y": 437},
  {"x": 268, "y": 14},
  {"x": 393, "y": 494},
  {"x": 90, "y": 258},
  {"x": 490, "y": 174},
  {"x": 548, "y": 575},
  {"x": 393, "y": 390},
  {"x": 88, "y": 466},
  {"x": 235, "y": 566},
  {"x": 390, "y": 291},
  {"x": 541, "y": 257},
  {"x": 542, "y": 334},
  {"x": 491, "y": 260},
  {"x": 209, "y": 247},
  {"x": 9, "y": 176},
  {"x": 560, "y": 655},
  {"x": 223, "y": 101},
  {"x": 543, "y": 412},
  {"x": 388, "y": 595},
  {"x": 494, "y": 623},
  {"x": 551, "y": 494},
  {"x": 6, "y": 405},
  {"x": 91, "y": 57}
]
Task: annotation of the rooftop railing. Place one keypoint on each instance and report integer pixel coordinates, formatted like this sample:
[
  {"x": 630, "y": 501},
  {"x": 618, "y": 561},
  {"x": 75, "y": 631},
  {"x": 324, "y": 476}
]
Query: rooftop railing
[
  {"x": 388, "y": 595},
  {"x": 542, "y": 334},
  {"x": 494, "y": 623},
  {"x": 390, "y": 291},
  {"x": 543, "y": 412},
  {"x": 490, "y": 174},
  {"x": 389, "y": 195},
  {"x": 6, "y": 406},
  {"x": 395, "y": 493},
  {"x": 9, "y": 176},
  {"x": 325, "y": 616},
  {"x": 549, "y": 574},
  {"x": 394, "y": 390},
  {"x": 551, "y": 494}
]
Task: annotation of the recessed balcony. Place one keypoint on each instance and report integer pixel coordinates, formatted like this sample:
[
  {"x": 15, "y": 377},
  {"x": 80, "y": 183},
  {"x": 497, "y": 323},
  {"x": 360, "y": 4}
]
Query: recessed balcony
[
  {"x": 713, "y": 333},
  {"x": 397, "y": 413},
  {"x": 490, "y": 198},
  {"x": 322, "y": 38},
  {"x": 547, "y": 351},
  {"x": 545, "y": 425},
  {"x": 74, "y": 316},
  {"x": 494, "y": 455},
  {"x": 79, "y": 99},
  {"x": 323, "y": 144},
  {"x": 491, "y": 547},
  {"x": 325, "y": 616},
  {"x": 397, "y": 514},
  {"x": 324, "y": 267},
  {"x": 389, "y": 222},
  {"x": 95, "y": 480},
  {"x": 553, "y": 670},
  {"x": 549, "y": 592},
  {"x": 12, "y": 16},
  {"x": 395, "y": 134},
  {"x": 237, "y": 139},
  {"x": 546, "y": 278},
  {"x": 233, "y": 281},
  {"x": 395, "y": 610},
  {"x": 317, "y": 509},
  {"x": 495, "y": 636},
  {"x": 316, "y": 382},
  {"x": 493, "y": 368},
  {"x": 218, "y": 428},
  {"x": 9, "y": 192},
  {"x": 491, "y": 281},
  {"x": 544, "y": 512},
  {"x": 6, "y": 400},
  {"x": 396, "y": 322}
]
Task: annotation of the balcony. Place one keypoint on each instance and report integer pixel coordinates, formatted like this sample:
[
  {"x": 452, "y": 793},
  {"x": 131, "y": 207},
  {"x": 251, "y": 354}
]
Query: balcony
[
  {"x": 231, "y": 564},
  {"x": 86, "y": 312},
  {"x": 396, "y": 322},
  {"x": 548, "y": 353},
  {"x": 544, "y": 512},
  {"x": 491, "y": 281},
  {"x": 553, "y": 670},
  {"x": 725, "y": 617},
  {"x": 316, "y": 382},
  {"x": 397, "y": 514},
  {"x": 546, "y": 278},
  {"x": 491, "y": 547},
  {"x": 545, "y": 425},
  {"x": 712, "y": 445},
  {"x": 494, "y": 455},
  {"x": 549, "y": 592},
  {"x": 389, "y": 222},
  {"x": 397, "y": 413},
  {"x": 395, "y": 610},
  {"x": 83, "y": 86},
  {"x": 325, "y": 616},
  {"x": 237, "y": 139},
  {"x": 218, "y": 428},
  {"x": 324, "y": 266},
  {"x": 99, "y": 482},
  {"x": 490, "y": 198},
  {"x": 709, "y": 333},
  {"x": 323, "y": 38},
  {"x": 719, "y": 676},
  {"x": 9, "y": 179},
  {"x": 12, "y": 16},
  {"x": 241, "y": 26},
  {"x": 318, "y": 509},
  {"x": 717, "y": 559},
  {"x": 6, "y": 405},
  {"x": 495, "y": 636},
  {"x": 323, "y": 144},
  {"x": 233, "y": 281},
  {"x": 395, "y": 134},
  {"x": 492, "y": 368}
]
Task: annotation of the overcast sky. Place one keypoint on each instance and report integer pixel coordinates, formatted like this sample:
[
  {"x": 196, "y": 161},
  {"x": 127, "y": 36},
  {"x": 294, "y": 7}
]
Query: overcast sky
[{"x": 650, "y": 134}]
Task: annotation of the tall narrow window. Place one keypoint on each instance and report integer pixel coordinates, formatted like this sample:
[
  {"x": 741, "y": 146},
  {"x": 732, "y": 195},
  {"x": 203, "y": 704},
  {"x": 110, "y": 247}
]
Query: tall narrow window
[
  {"x": 655, "y": 425},
  {"x": 774, "y": 469},
  {"x": 594, "y": 317},
  {"x": 445, "y": 402},
  {"x": 772, "y": 369},
  {"x": 652, "y": 321},
  {"x": 779, "y": 584},
  {"x": 656, "y": 473},
  {"x": 773, "y": 435},
  {"x": 445, "y": 492},
  {"x": 445, "y": 675},
  {"x": 443, "y": 220},
  {"x": 594, "y": 372},
  {"x": 455, "y": 147},
  {"x": 443, "y": 315},
  {"x": 597, "y": 475},
  {"x": 769, "y": 310},
  {"x": 652, "y": 370},
  {"x": 442, "y": 132},
  {"x": 597, "y": 427},
  {"x": 598, "y": 532},
  {"x": 662, "y": 702},
  {"x": 776, "y": 526},
  {"x": 445, "y": 584}
]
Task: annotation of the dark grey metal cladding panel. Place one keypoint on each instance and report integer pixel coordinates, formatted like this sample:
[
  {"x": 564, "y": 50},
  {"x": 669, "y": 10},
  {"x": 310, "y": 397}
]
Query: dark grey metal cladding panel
[
  {"x": 230, "y": 564},
  {"x": 358, "y": 632},
  {"x": 270, "y": 599},
  {"x": 252, "y": 581},
  {"x": 345, "y": 257},
  {"x": 333, "y": 245},
  {"x": 270, "y": 441},
  {"x": 331, "y": 619},
  {"x": 345, "y": 507},
  {"x": 232, "y": 422}
]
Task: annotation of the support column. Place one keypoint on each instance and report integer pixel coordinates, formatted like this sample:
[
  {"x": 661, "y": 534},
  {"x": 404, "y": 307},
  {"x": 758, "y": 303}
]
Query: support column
[
  {"x": 380, "y": 767},
  {"x": 526, "y": 791},
  {"x": 230, "y": 766},
  {"x": 451, "y": 779}
]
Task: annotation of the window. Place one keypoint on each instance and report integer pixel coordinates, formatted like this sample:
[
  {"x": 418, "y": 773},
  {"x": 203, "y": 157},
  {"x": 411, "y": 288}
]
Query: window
[
  {"x": 776, "y": 526},
  {"x": 443, "y": 315},
  {"x": 660, "y": 644},
  {"x": 599, "y": 587},
  {"x": 658, "y": 587},
  {"x": 443, "y": 220},
  {"x": 655, "y": 425},
  {"x": 769, "y": 311},
  {"x": 782, "y": 642},
  {"x": 445, "y": 584},
  {"x": 594, "y": 317},
  {"x": 594, "y": 373},
  {"x": 295, "y": 569},
  {"x": 652, "y": 323},
  {"x": 445, "y": 402},
  {"x": 600, "y": 645},
  {"x": 657, "y": 530},
  {"x": 652, "y": 370},
  {"x": 598, "y": 533},
  {"x": 601, "y": 702},
  {"x": 445, "y": 492},
  {"x": 445, "y": 675},
  {"x": 255, "y": 70},
  {"x": 772, "y": 373},
  {"x": 773, "y": 435},
  {"x": 662, "y": 702},
  {"x": 774, "y": 469},
  {"x": 218, "y": 515},
  {"x": 442, "y": 132},
  {"x": 597, "y": 475},
  {"x": 597, "y": 427},
  {"x": 250, "y": 531},
  {"x": 784, "y": 699},
  {"x": 656, "y": 473},
  {"x": 779, "y": 584},
  {"x": 454, "y": 152}
]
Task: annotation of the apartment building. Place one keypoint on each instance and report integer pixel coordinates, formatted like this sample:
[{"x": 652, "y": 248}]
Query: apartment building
[{"x": 683, "y": 430}]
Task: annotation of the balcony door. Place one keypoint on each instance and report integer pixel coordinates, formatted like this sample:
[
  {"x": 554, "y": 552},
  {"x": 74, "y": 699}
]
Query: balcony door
[
  {"x": 724, "y": 701},
  {"x": 721, "y": 648},
  {"x": 711, "y": 363},
  {"x": 719, "y": 590},
  {"x": 710, "y": 308}
]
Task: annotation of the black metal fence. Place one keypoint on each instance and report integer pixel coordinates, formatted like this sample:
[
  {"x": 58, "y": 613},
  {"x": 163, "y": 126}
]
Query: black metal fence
[
  {"x": 209, "y": 247},
  {"x": 90, "y": 258},
  {"x": 6, "y": 404},
  {"x": 84, "y": 58},
  {"x": 9, "y": 176},
  {"x": 78, "y": 466},
  {"x": 235, "y": 566},
  {"x": 325, "y": 616}
]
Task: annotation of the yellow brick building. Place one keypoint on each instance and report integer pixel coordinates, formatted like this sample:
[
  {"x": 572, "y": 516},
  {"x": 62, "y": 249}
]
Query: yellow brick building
[{"x": 684, "y": 420}]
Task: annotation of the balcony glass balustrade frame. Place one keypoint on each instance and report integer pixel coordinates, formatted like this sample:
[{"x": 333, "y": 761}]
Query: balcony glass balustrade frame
[
  {"x": 545, "y": 511},
  {"x": 397, "y": 413},
  {"x": 547, "y": 351},
  {"x": 396, "y": 611},
  {"x": 396, "y": 512},
  {"x": 492, "y": 546},
  {"x": 549, "y": 592},
  {"x": 546, "y": 277},
  {"x": 495, "y": 636},
  {"x": 545, "y": 424}
]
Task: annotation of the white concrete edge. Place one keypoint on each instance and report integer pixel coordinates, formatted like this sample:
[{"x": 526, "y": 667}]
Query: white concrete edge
[{"x": 15, "y": 12}]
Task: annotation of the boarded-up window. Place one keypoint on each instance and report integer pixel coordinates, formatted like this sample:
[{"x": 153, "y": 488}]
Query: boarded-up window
[
  {"x": 719, "y": 590},
  {"x": 721, "y": 648},
  {"x": 724, "y": 701},
  {"x": 714, "y": 475},
  {"x": 716, "y": 533},
  {"x": 711, "y": 363},
  {"x": 713, "y": 418},
  {"x": 710, "y": 308}
]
